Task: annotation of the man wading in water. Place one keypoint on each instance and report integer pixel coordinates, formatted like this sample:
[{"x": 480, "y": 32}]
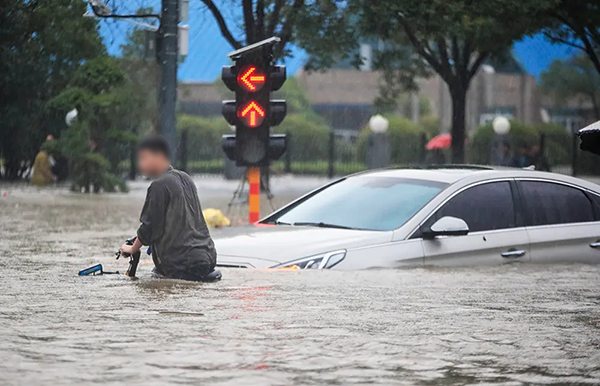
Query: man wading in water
[{"x": 172, "y": 220}]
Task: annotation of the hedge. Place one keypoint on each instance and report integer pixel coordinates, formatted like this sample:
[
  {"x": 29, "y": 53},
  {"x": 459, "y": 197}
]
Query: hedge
[
  {"x": 405, "y": 138},
  {"x": 204, "y": 136},
  {"x": 558, "y": 140},
  {"x": 309, "y": 137},
  {"x": 318, "y": 168}
]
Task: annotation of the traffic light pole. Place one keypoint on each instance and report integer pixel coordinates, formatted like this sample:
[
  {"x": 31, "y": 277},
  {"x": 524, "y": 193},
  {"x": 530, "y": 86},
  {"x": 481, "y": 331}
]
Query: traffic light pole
[
  {"x": 253, "y": 194},
  {"x": 253, "y": 78},
  {"x": 167, "y": 95}
]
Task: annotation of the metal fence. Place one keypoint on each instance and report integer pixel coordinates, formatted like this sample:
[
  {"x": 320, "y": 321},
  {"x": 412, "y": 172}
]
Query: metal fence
[{"x": 338, "y": 155}]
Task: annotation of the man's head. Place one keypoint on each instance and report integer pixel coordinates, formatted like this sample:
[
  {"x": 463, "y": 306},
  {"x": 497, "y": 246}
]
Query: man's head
[
  {"x": 153, "y": 156},
  {"x": 523, "y": 149},
  {"x": 534, "y": 150}
]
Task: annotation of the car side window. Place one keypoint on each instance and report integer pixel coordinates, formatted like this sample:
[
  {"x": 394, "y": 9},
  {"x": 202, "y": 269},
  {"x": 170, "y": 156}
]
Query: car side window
[
  {"x": 483, "y": 207},
  {"x": 548, "y": 203},
  {"x": 596, "y": 204}
]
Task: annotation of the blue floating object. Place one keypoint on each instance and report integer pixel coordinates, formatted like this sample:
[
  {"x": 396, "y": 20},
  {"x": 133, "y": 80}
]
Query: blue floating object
[{"x": 91, "y": 270}]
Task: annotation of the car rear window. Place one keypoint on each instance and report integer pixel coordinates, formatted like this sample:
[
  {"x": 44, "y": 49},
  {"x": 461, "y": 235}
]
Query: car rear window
[{"x": 549, "y": 203}]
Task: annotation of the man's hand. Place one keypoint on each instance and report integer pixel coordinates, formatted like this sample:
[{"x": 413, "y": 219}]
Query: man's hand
[
  {"x": 127, "y": 250},
  {"x": 131, "y": 249}
]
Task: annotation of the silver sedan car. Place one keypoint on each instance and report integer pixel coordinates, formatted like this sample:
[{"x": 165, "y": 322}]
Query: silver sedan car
[{"x": 425, "y": 217}]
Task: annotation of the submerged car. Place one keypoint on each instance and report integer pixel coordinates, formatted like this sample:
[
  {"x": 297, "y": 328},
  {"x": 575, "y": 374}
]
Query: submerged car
[{"x": 462, "y": 216}]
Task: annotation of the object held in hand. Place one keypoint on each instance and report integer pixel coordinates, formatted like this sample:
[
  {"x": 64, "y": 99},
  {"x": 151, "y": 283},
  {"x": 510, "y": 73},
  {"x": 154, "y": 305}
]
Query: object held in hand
[{"x": 134, "y": 259}]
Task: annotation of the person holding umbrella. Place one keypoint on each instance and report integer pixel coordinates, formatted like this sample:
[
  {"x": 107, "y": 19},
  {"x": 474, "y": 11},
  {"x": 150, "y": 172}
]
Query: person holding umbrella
[{"x": 436, "y": 147}]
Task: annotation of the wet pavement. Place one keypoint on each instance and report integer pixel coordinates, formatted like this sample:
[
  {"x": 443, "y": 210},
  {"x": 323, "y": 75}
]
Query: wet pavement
[{"x": 512, "y": 325}]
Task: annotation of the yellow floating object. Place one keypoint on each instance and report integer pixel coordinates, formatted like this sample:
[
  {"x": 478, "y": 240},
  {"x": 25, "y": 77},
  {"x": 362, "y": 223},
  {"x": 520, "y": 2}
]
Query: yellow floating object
[{"x": 215, "y": 218}]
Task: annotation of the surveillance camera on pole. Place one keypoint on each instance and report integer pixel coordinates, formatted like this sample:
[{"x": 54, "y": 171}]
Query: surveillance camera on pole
[
  {"x": 100, "y": 8},
  {"x": 167, "y": 56}
]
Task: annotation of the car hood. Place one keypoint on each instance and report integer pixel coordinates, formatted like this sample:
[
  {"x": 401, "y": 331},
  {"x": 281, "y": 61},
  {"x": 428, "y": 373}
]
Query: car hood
[{"x": 267, "y": 246}]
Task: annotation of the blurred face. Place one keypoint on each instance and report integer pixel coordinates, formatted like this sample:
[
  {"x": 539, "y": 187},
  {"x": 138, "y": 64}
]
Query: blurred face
[{"x": 152, "y": 164}]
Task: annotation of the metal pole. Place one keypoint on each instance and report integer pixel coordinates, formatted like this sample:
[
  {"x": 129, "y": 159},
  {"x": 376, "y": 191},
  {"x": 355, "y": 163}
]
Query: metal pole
[
  {"x": 423, "y": 146},
  {"x": 183, "y": 151},
  {"x": 288, "y": 153},
  {"x": 132, "y": 166},
  {"x": 167, "y": 98},
  {"x": 331, "y": 169},
  {"x": 574, "y": 151},
  {"x": 253, "y": 194}
]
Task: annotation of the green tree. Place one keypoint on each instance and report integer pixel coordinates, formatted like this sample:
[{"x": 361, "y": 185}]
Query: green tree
[
  {"x": 322, "y": 28},
  {"x": 109, "y": 113},
  {"x": 42, "y": 44},
  {"x": 574, "y": 77},
  {"x": 577, "y": 23},
  {"x": 454, "y": 38}
]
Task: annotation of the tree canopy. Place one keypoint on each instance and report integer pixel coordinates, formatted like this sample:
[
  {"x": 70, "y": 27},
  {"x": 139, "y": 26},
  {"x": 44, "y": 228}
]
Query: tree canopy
[
  {"x": 573, "y": 77},
  {"x": 453, "y": 38},
  {"x": 576, "y": 23},
  {"x": 42, "y": 43},
  {"x": 323, "y": 28}
]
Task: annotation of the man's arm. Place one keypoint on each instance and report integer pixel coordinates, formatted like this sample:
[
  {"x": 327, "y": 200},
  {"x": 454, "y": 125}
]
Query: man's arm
[
  {"x": 127, "y": 249},
  {"x": 153, "y": 215}
]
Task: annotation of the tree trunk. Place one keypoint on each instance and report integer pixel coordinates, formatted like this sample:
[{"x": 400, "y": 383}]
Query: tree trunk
[
  {"x": 459, "y": 108},
  {"x": 595, "y": 105},
  {"x": 11, "y": 159}
]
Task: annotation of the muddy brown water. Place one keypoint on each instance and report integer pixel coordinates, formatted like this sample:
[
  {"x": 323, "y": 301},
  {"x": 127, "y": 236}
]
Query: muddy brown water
[{"x": 512, "y": 325}]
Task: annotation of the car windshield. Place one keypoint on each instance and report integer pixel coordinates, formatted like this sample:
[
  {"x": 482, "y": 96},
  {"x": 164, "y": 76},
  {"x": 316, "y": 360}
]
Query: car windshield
[{"x": 371, "y": 203}]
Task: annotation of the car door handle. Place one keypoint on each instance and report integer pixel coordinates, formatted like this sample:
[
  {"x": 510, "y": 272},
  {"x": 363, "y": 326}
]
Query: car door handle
[
  {"x": 595, "y": 245},
  {"x": 512, "y": 254}
]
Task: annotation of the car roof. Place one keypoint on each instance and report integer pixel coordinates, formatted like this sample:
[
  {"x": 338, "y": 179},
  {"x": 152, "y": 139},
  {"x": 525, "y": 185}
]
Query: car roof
[{"x": 451, "y": 174}]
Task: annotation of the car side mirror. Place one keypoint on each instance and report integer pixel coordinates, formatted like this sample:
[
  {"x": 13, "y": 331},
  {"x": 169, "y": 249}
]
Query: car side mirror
[{"x": 447, "y": 226}]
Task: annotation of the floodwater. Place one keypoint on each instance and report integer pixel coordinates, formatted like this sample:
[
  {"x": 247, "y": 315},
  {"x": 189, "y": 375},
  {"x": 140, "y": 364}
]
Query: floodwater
[{"x": 512, "y": 325}]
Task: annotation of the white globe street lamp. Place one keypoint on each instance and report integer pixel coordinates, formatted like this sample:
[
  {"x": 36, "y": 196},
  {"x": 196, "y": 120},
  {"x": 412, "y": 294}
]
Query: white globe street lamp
[
  {"x": 501, "y": 125},
  {"x": 378, "y": 124},
  {"x": 70, "y": 117}
]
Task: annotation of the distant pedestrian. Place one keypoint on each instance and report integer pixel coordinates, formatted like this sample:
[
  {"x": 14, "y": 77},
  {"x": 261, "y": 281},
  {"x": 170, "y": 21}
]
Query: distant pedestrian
[
  {"x": 521, "y": 159},
  {"x": 42, "y": 166},
  {"x": 504, "y": 157},
  {"x": 538, "y": 159},
  {"x": 435, "y": 157}
]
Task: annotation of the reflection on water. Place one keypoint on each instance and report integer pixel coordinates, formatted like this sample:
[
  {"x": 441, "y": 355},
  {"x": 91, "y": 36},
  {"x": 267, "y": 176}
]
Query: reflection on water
[{"x": 508, "y": 325}]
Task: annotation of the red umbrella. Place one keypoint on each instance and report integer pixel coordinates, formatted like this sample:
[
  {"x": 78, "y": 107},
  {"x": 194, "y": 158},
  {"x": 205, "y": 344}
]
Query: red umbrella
[{"x": 442, "y": 141}]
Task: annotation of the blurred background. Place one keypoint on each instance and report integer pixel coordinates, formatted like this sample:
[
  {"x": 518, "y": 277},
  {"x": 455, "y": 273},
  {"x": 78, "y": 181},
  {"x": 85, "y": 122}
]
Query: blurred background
[{"x": 370, "y": 84}]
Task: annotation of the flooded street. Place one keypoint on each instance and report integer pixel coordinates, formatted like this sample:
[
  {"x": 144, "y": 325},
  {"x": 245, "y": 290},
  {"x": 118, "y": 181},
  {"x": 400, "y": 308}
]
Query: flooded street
[{"x": 513, "y": 324}]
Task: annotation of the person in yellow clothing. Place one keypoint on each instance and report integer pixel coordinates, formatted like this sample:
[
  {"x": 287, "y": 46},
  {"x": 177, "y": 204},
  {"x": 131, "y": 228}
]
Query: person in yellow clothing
[{"x": 42, "y": 168}]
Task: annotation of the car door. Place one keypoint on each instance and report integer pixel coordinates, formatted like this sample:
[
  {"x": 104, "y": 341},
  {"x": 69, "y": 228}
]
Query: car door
[
  {"x": 495, "y": 233},
  {"x": 561, "y": 222}
]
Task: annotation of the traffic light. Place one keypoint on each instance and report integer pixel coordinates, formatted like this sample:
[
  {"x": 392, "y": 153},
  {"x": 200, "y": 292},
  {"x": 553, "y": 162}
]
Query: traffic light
[{"x": 253, "y": 77}]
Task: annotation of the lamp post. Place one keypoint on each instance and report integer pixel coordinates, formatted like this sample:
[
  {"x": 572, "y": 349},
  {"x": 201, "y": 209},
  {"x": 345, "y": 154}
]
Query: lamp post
[
  {"x": 379, "y": 124},
  {"x": 501, "y": 125},
  {"x": 501, "y": 154},
  {"x": 378, "y": 152},
  {"x": 71, "y": 117}
]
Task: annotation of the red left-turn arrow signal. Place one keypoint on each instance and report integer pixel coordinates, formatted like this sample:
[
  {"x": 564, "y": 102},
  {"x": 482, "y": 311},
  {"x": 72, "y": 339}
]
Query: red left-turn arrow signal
[{"x": 251, "y": 78}]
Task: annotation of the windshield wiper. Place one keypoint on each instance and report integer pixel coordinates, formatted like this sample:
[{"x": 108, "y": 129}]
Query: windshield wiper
[
  {"x": 277, "y": 223},
  {"x": 321, "y": 225}
]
